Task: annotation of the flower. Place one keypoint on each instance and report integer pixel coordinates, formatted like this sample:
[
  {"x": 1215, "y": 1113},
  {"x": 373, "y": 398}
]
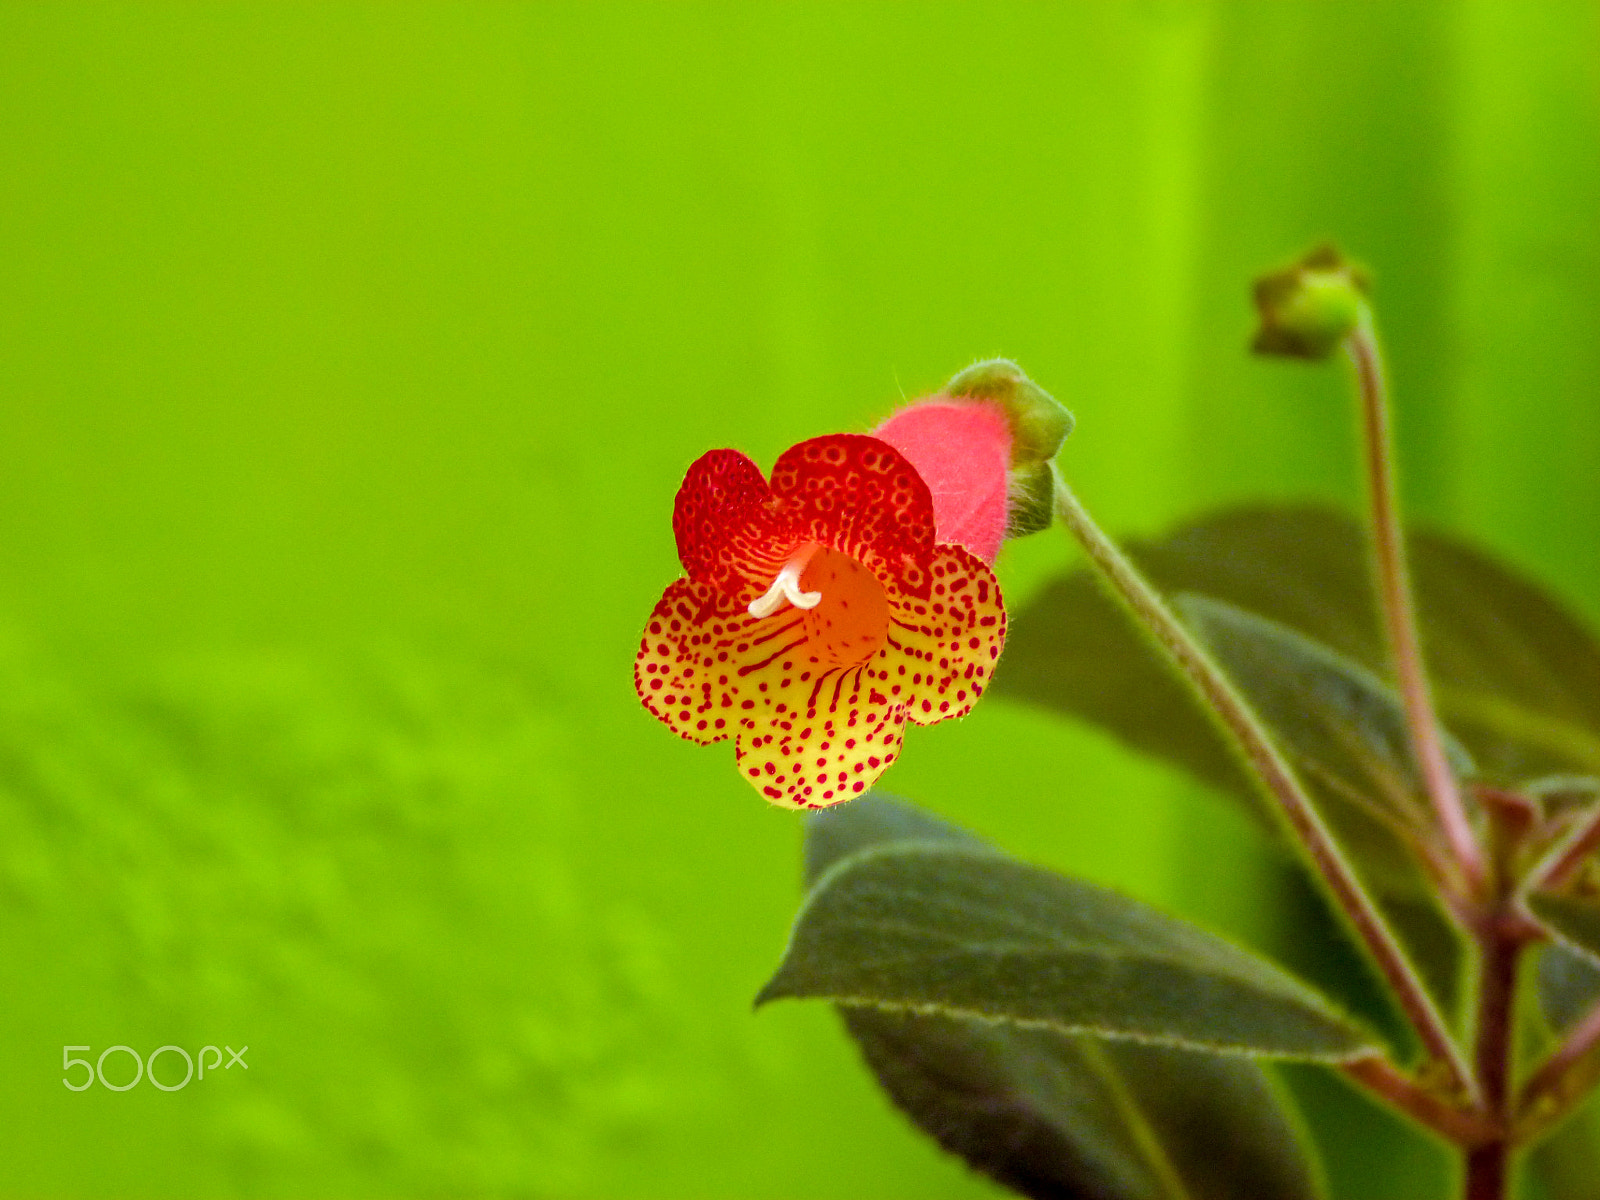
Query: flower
[{"x": 818, "y": 616}]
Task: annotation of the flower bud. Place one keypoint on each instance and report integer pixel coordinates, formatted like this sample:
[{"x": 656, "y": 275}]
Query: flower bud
[
  {"x": 1309, "y": 307},
  {"x": 984, "y": 447},
  {"x": 1038, "y": 421}
]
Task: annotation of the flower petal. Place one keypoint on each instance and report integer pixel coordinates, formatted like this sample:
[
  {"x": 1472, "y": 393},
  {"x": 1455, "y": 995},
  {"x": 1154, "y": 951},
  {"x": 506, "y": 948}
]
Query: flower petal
[
  {"x": 728, "y": 532},
  {"x": 682, "y": 669},
  {"x": 858, "y": 495},
  {"x": 942, "y": 651},
  {"x": 831, "y": 751},
  {"x": 706, "y": 667},
  {"x": 807, "y": 736}
]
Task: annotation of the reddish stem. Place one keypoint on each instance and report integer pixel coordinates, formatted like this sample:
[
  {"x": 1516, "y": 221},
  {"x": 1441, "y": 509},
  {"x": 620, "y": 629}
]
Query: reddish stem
[
  {"x": 1399, "y": 614},
  {"x": 1488, "y": 1165},
  {"x": 1488, "y": 1170},
  {"x": 1399, "y": 1090}
]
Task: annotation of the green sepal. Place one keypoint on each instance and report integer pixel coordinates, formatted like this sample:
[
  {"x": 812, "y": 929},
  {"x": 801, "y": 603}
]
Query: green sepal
[
  {"x": 1039, "y": 422},
  {"x": 1031, "y": 499}
]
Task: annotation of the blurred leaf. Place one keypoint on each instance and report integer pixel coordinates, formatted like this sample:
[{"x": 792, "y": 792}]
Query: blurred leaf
[
  {"x": 966, "y": 931},
  {"x": 1344, "y": 729},
  {"x": 1333, "y": 713},
  {"x": 1052, "y": 1115},
  {"x": 1516, "y": 675},
  {"x": 1575, "y": 918},
  {"x": 1569, "y": 984},
  {"x": 1433, "y": 942},
  {"x": 1567, "y": 796},
  {"x": 1073, "y": 650},
  {"x": 1567, "y": 1163}
]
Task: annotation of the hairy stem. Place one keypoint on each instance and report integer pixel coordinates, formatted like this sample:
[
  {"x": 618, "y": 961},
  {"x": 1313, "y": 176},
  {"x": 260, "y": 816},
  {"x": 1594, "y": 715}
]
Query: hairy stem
[
  {"x": 1399, "y": 614},
  {"x": 1261, "y": 752}
]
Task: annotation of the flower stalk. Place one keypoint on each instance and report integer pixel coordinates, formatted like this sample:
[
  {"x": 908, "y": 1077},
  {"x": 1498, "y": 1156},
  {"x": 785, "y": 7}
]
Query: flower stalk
[
  {"x": 1250, "y": 736},
  {"x": 1399, "y": 613}
]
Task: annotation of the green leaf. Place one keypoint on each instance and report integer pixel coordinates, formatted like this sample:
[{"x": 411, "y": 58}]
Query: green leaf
[
  {"x": 1343, "y": 727},
  {"x": 1576, "y": 919},
  {"x": 965, "y": 931},
  {"x": 1564, "y": 797},
  {"x": 1516, "y": 675},
  {"x": 872, "y": 820},
  {"x": 1333, "y": 714},
  {"x": 1052, "y": 1115}
]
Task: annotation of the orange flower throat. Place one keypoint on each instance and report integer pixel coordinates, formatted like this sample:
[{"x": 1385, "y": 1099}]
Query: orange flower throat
[{"x": 846, "y": 619}]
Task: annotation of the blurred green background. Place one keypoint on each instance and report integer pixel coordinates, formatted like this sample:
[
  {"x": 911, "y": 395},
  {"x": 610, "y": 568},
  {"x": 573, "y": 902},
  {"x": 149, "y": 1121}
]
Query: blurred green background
[{"x": 350, "y": 356}]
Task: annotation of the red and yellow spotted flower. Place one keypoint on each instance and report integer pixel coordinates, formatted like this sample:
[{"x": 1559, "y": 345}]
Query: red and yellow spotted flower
[{"x": 819, "y": 615}]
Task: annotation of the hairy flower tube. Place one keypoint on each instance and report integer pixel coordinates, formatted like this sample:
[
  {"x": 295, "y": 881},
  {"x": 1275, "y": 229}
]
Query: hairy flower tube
[
  {"x": 818, "y": 616},
  {"x": 962, "y": 451}
]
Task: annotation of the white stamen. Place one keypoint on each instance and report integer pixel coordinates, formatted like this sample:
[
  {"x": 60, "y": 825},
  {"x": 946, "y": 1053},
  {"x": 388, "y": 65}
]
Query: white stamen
[{"x": 787, "y": 587}]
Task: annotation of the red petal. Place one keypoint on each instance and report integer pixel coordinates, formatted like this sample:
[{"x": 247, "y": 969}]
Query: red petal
[
  {"x": 827, "y": 753},
  {"x": 859, "y": 495},
  {"x": 942, "y": 650},
  {"x": 728, "y": 534}
]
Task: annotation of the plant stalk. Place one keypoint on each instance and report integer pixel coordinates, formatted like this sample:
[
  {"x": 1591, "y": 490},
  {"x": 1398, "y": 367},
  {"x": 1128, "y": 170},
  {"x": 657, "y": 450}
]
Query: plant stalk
[
  {"x": 1394, "y": 1087},
  {"x": 1395, "y": 601},
  {"x": 1488, "y": 1165},
  {"x": 1251, "y": 737}
]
